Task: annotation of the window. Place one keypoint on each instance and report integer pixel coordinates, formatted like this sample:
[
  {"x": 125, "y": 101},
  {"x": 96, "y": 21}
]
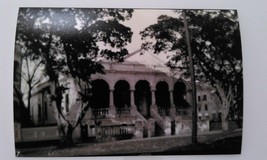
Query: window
[
  {"x": 198, "y": 98},
  {"x": 206, "y": 107},
  {"x": 204, "y": 97},
  {"x": 199, "y": 108}
]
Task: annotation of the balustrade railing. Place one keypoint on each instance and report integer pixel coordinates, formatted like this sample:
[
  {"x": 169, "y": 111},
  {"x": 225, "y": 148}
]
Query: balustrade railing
[
  {"x": 100, "y": 112},
  {"x": 123, "y": 111},
  {"x": 118, "y": 130},
  {"x": 158, "y": 119}
]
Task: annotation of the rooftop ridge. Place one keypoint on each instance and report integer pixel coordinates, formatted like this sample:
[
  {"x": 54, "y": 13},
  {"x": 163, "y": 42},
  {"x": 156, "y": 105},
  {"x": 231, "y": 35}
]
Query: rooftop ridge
[{"x": 133, "y": 53}]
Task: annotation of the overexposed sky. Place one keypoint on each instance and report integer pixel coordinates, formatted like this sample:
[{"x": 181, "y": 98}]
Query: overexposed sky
[{"x": 141, "y": 19}]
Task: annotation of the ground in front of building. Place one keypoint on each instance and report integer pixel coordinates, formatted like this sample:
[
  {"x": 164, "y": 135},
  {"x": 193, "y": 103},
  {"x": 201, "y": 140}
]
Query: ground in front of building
[{"x": 210, "y": 143}]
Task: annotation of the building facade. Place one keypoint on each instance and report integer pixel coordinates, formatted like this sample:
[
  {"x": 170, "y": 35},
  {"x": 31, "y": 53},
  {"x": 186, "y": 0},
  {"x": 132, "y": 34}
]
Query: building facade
[{"x": 131, "y": 100}]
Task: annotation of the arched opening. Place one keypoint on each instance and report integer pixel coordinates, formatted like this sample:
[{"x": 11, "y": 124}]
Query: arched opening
[
  {"x": 100, "y": 94},
  {"x": 122, "y": 94},
  {"x": 163, "y": 98},
  {"x": 178, "y": 98},
  {"x": 142, "y": 96}
]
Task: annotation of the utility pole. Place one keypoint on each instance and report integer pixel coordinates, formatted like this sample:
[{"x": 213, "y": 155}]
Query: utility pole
[{"x": 192, "y": 75}]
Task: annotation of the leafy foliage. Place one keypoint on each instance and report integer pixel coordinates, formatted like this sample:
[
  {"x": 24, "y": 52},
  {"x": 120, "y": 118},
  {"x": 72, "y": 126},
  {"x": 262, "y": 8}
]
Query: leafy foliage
[
  {"x": 70, "y": 42},
  {"x": 215, "y": 42}
]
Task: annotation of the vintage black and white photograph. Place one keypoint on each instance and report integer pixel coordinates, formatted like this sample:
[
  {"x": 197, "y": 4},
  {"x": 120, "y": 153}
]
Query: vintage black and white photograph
[{"x": 127, "y": 82}]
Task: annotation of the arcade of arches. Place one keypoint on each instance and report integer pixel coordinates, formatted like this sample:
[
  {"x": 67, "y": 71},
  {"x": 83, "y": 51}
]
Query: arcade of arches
[{"x": 143, "y": 97}]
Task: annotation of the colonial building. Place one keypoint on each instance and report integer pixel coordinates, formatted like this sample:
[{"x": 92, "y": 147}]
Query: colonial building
[
  {"x": 208, "y": 103},
  {"x": 138, "y": 98}
]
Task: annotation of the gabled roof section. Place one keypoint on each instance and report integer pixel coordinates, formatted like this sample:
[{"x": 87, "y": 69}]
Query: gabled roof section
[
  {"x": 148, "y": 59},
  {"x": 133, "y": 53}
]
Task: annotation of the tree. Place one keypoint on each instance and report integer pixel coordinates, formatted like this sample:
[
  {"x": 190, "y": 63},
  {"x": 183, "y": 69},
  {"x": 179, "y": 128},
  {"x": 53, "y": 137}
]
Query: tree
[
  {"x": 69, "y": 42},
  {"x": 216, "y": 47},
  {"x": 31, "y": 77}
]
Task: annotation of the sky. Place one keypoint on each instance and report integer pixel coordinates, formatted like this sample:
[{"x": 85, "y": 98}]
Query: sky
[{"x": 141, "y": 19}]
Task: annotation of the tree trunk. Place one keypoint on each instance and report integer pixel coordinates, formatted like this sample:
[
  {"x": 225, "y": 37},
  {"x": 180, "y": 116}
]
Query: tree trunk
[
  {"x": 29, "y": 100},
  {"x": 225, "y": 113},
  {"x": 56, "y": 103},
  {"x": 226, "y": 99},
  {"x": 69, "y": 140},
  {"x": 225, "y": 124},
  {"x": 66, "y": 136},
  {"x": 193, "y": 83}
]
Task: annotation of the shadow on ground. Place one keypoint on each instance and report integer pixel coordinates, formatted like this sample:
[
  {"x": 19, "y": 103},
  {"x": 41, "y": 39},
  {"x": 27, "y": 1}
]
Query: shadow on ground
[{"x": 230, "y": 145}]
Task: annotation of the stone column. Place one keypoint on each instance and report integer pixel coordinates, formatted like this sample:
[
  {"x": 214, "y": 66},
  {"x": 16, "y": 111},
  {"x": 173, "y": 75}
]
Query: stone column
[
  {"x": 132, "y": 98},
  {"x": 171, "y": 98},
  {"x": 111, "y": 97},
  {"x": 133, "y": 107},
  {"x": 153, "y": 98},
  {"x": 153, "y": 94},
  {"x": 112, "y": 108},
  {"x": 172, "y": 109}
]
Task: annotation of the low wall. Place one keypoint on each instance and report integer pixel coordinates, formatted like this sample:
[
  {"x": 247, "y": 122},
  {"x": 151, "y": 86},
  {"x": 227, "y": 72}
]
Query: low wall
[
  {"x": 185, "y": 126},
  {"x": 35, "y": 134},
  {"x": 51, "y": 132},
  {"x": 203, "y": 125}
]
